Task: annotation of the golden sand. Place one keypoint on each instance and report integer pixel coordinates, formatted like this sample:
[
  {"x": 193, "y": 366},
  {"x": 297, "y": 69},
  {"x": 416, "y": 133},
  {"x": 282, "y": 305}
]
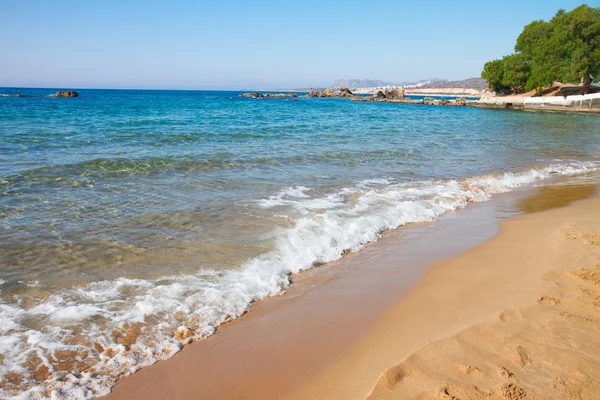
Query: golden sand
[{"x": 515, "y": 317}]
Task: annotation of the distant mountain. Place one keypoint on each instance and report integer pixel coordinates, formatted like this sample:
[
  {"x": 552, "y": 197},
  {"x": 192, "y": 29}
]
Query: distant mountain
[
  {"x": 371, "y": 83},
  {"x": 471, "y": 83},
  {"x": 436, "y": 83},
  {"x": 359, "y": 83}
]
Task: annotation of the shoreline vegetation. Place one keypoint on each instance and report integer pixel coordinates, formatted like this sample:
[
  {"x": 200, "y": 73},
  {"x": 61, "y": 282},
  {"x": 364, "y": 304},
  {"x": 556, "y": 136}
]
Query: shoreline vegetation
[{"x": 564, "y": 49}]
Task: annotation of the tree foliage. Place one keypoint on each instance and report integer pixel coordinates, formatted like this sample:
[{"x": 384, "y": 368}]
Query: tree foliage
[
  {"x": 565, "y": 49},
  {"x": 510, "y": 74},
  {"x": 516, "y": 72},
  {"x": 493, "y": 72}
]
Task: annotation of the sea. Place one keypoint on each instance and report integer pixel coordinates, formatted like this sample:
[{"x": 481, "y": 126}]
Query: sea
[{"x": 133, "y": 222}]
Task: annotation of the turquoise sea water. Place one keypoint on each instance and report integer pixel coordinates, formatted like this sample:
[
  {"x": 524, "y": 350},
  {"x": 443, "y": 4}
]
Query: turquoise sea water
[{"x": 132, "y": 222}]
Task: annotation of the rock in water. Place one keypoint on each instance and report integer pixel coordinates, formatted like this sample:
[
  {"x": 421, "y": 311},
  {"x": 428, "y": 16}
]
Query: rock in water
[
  {"x": 345, "y": 92},
  {"x": 65, "y": 93},
  {"x": 379, "y": 95},
  {"x": 394, "y": 94},
  {"x": 254, "y": 95},
  {"x": 281, "y": 95}
]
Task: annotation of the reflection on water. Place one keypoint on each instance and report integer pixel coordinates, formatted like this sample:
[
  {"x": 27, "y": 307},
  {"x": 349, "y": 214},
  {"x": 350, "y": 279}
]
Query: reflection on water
[{"x": 555, "y": 196}]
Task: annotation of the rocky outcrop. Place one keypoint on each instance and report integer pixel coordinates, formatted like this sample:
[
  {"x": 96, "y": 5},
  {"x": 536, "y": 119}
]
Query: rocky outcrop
[
  {"x": 65, "y": 93},
  {"x": 256, "y": 95},
  {"x": 280, "y": 95},
  {"x": 253, "y": 95},
  {"x": 330, "y": 93},
  {"x": 380, "y": 96},
  {"x": 345, "y": 92},
  {"x": 575, "y": 90},
  {"x": 321, "y": 93},
  {"x": 394, "y": 94},
  {"x": 391, "y": 94}
]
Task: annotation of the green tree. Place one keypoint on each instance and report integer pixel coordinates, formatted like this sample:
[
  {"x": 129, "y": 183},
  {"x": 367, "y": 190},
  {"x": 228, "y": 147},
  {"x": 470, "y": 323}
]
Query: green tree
[
  {"x": 516, "y": 72},
  {"x": 533, "y": 44},
  {"x": 493, "y": 72},
  {"x": 565, "y": 49}
]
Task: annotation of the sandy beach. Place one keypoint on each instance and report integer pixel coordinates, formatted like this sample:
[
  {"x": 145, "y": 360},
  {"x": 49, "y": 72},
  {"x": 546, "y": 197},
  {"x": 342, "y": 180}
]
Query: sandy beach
[
  {"x": 395, "y": 227},
  {"x": 514, "y": 317}
]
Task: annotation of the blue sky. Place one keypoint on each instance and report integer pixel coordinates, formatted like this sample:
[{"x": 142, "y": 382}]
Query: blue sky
[{"x": 230, "y": 44}]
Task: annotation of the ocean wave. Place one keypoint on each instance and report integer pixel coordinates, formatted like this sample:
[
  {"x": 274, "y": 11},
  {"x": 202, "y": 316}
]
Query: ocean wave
[{"x": 84, "y": 339}]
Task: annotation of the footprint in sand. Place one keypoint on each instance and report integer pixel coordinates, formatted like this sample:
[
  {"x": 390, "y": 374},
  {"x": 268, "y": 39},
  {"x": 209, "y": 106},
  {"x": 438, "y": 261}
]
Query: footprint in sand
[
  {"x": 574, "y": 317},
  {"x": 523, "y": 356},
  {"x": 470, "y": 369},
  {"x": 508, "y": 316}
]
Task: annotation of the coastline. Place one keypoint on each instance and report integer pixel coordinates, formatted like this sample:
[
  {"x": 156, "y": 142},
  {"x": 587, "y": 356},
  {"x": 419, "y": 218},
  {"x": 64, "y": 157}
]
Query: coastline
[
  {"x": 513, "y": 318},
  {"x": 220, "y": 237},
  {"x": 589, "y": 103},
  {"x": 579, "y": 105},
  {"x": 509, "y": 106},
  {"x": 271, "y": 353}
]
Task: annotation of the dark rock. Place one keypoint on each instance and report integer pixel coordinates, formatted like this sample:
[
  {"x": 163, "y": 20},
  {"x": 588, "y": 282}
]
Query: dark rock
[
  {"x": 321, "y": 93},
  {"x": 575, "y": 90},
  {"x": 280, "y": 95},
  {"x": 253, "y": 95},
  {"x": 461, "y": 101},
  {"x": 379, "y": 95},
  {"x": 345, "y": 92},
  {"x": 315, "y": 93},
  {"x": 65, "y": 93},
  {"x": 394, "y": 94},
  {"x": 256, "y": 95}
]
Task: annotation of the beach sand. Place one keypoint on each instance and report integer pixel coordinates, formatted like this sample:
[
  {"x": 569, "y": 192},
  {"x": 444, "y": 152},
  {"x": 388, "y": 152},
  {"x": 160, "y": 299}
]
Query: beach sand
[{"x": 515, "y": 317}]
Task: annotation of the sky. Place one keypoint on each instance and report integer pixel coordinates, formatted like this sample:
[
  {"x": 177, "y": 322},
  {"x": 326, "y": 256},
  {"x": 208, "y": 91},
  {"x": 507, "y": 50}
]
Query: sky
[{"x": 255, "y": 44}]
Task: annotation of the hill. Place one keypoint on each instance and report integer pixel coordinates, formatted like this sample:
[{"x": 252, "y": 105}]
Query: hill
[
  {"x": 471, "y": 83},
  {"x": 360, "y": 83}
]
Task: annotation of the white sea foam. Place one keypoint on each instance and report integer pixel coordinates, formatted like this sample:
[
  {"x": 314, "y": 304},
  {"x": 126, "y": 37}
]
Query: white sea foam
[
  {"x": 284, "y": 195},
  {"x": 130, "y": 323}
]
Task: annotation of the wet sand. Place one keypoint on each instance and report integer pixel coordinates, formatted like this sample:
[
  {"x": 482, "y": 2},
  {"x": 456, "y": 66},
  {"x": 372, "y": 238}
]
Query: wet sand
[{"x": 349, "y": 326}]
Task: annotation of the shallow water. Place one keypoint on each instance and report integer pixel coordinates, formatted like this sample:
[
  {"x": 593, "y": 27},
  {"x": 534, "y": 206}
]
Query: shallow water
[{"x": 132, "y": 222}]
